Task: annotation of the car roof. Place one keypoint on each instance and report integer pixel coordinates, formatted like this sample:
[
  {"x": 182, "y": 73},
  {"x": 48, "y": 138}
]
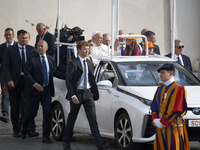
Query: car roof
[{"x": 136, "y": 58}]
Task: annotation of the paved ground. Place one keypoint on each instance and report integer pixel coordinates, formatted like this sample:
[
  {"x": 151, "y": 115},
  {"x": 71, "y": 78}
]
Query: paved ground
[{"x": 80, "y": 141}]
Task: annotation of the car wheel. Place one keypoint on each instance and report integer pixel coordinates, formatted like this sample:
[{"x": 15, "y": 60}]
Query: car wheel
[
  {"x": 58, "y": 122},
  {"x": 123, "y": 132}
]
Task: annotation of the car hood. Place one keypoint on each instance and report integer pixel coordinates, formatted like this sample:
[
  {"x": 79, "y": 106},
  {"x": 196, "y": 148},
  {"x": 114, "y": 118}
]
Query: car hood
[{"x": 193, "y": 97}]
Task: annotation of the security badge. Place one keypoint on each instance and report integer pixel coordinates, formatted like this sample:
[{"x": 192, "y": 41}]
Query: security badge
[{"x": 70, "y": 58}]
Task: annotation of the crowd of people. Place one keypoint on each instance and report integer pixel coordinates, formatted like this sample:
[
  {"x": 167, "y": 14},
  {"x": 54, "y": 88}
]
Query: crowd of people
[{"x": 27, "y": 76}]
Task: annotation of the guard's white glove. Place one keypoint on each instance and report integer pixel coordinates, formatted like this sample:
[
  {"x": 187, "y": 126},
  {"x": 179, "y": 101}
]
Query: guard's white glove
[{"x": 157, "y": 123}]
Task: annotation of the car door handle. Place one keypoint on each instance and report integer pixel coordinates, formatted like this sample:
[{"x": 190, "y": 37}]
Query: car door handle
[
  {"x": 116, "y": 96},
  {"x": 109, "y": 91}
]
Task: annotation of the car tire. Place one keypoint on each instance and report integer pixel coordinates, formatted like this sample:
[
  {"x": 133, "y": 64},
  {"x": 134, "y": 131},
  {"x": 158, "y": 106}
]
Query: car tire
[
  {"x": 58, "y": 122},
  {"x": 123, "y": 132}
]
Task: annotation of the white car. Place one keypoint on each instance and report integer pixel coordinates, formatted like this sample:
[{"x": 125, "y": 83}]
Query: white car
[{"x": 126, "y": 87}]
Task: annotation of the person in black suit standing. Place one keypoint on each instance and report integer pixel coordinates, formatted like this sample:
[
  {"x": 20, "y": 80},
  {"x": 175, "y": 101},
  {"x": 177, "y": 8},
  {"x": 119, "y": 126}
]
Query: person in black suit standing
[
  {"x": 14, "y": 65},
  {"x": 39, "y": 89},
  {"x": 82, "y": 90},
  {"x": 9, "y": 36},
  {"x": 43, "y": 34},
  {"x": 179, "y": 57},
  {"x": 151, "y": 36}
]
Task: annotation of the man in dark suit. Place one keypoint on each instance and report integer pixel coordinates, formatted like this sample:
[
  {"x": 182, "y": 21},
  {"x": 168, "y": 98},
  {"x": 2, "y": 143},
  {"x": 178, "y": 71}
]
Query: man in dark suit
[
  {"x": 65, "y": 56},
  {"x": 39, "y": 88},
  {"x": 122, "y": 44},
  {"x": 9, "y": 36},
  {"x": 43, "y": 34},
  {"x": 14, "y": 65},
  {"x": 178, "y": 56},
  {"x": 151, "y": 36},
  {"x": 143, "y": 33},
  {"x": 82, "y": 90}
]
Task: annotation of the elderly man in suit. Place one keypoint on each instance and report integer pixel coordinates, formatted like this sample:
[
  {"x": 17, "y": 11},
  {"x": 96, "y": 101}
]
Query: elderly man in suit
[
  {"x": 39, "y": 89},
  {"x": 178, "y": 56},
  {"x": 122, "y": 42},
  {"x": 106, "y": 39},
  {"x": 43, "y": 34},
  {"x": 9, "y": 36},
  {"x": 82, "y": 90},
  {"x": 14, "y": 65}
]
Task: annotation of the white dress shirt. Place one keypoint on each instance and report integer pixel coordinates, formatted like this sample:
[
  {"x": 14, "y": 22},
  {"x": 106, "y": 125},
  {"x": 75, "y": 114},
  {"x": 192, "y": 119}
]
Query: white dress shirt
[
  {"x": 81, "y": 84},
  {"x": 181, "y": 59},
  {"x": 10, "y": 44},
  {"x": 47, "y": 63}
]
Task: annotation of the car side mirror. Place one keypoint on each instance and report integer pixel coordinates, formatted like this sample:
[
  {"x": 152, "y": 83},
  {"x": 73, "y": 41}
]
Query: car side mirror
[{"x": 105, "y": 83}]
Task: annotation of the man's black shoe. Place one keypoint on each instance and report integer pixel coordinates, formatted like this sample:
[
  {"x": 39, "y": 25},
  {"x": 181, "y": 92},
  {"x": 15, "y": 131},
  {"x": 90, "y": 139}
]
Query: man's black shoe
[
  {"x": 33, "y": 134},
  {"x": 23, "y": 134},
  {"x": 16, "y": 135},
  {"x": 4, "y": 119},
  {"x": 103, "y": 146},
  {"x": 66, "y": 146},
  {"x": 46, "y": 140}
]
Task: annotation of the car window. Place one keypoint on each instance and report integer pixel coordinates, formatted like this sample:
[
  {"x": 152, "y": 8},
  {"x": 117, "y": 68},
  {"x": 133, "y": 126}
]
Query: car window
[
  {"x": 145, "y": 73},
  {"x": 105, "y": 72}
]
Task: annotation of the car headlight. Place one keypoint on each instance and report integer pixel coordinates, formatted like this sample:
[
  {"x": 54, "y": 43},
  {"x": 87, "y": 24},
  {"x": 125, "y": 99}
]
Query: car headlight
[{"x": 145, "y": 101}]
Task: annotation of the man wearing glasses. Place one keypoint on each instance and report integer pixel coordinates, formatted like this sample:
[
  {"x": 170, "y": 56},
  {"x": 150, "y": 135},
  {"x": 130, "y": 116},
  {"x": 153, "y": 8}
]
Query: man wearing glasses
[{"x": 179, "y": 57}]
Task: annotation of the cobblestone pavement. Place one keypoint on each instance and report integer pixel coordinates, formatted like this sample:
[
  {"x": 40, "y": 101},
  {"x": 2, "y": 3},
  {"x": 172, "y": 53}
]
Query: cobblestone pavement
[{"x": 80, "y": 141}]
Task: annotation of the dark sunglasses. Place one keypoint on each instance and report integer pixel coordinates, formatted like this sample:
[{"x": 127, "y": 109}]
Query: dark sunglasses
[{"x": 179, "y": 47}]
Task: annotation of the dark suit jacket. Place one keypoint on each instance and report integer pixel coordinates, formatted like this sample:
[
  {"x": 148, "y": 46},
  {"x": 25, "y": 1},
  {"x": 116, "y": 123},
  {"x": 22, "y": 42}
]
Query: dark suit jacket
[
  {"x": 156, "y": 49},
  {"x": 3, "y": 48},
  {"x": 33, "y": 74},
  {"x": 13, "y": 64},
  {"x": 141, "y": 45},
  {"x": 50, "y": 39},
  {"x": 73, "y": 76},
  {"x": 186, "y": 61},
  {"x": 65, "y": 56}
]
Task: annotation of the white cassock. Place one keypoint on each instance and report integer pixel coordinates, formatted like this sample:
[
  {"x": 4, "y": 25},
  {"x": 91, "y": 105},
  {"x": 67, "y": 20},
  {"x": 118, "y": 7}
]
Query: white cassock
[{"x": 102, "y": 50}]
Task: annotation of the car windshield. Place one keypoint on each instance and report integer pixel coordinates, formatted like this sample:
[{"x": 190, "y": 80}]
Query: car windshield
[{"x": 145, "y": 73}]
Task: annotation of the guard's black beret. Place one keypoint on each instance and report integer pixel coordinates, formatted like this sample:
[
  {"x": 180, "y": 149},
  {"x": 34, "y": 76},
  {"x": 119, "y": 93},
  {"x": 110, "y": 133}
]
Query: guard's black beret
[{"x": 167, "y": 66}]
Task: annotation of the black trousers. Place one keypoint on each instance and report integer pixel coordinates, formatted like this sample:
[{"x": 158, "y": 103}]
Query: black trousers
[
  {"x": 17, "y": 105},
  {"x": 32, "y": 107},
  {"x": 85, "y": 99}
]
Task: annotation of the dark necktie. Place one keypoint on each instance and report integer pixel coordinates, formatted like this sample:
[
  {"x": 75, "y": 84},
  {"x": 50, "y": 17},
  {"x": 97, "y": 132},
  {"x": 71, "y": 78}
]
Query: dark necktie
[
  {"x": 85, "y": 74},
  {"x": 44, "y": 70},
  {"x": 9, "y": 45},
  {"x": 122, "y": 50},
  {"x": 179, "y": 60},
  {"x": 23, "y": 59}
]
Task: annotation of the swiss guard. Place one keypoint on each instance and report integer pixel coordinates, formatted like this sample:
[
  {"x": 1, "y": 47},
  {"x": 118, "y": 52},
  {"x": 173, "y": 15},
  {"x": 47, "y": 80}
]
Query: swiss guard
[{"x": 168, "y": 108}]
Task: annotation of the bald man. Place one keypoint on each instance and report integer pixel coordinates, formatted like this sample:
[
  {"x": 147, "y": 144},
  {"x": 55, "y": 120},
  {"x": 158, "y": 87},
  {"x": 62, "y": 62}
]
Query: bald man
[
  {"x": 122, "y": 44},
  {"x": 39, "y": 89},
  {"x": 143, "y": 33}
]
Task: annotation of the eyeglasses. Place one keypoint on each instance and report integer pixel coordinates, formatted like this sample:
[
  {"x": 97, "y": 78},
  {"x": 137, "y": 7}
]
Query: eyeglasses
[{"x": 179, "y": 47}]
